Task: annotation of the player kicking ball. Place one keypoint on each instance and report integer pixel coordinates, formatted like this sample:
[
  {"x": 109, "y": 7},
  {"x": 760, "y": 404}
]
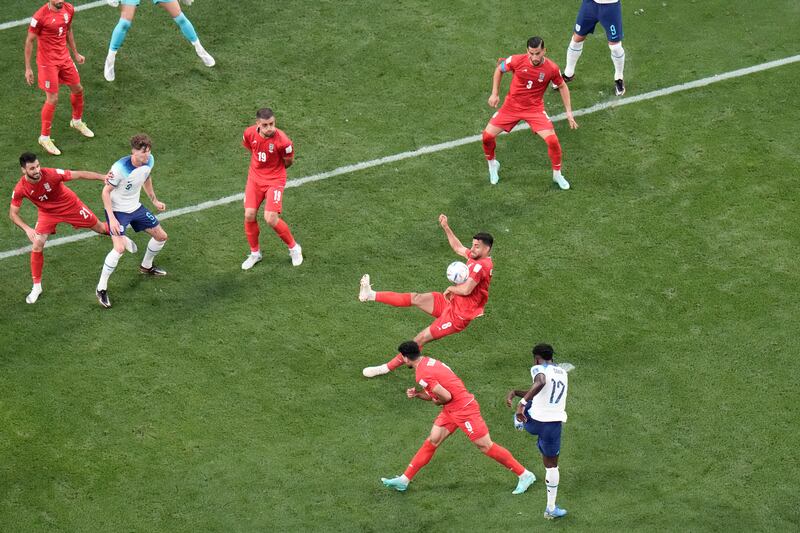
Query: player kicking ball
[
  {"x": 532, "y": 74},
  {"x": 460, "y": 410},
  {"x": 121, "y": 201},
  {"x": 128, "y": 10},
  {"x": 453, "y": 309}
]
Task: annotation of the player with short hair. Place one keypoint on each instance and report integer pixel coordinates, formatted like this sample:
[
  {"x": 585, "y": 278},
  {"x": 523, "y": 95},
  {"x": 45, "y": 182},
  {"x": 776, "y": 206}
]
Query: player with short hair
[
  {"x": 453, "y": 309},
  {"x": 51, "y": 27},
  {"x": 460, "y": 409},
  {"x": 609, "y": 14},
  {"x": 271, "y": 154},
  {"x": 122, "y": 205},
  {"x": 532, "y": 74},
  {"x": 55, "y": 203},
  {"x": 541, "y": 412},
  {"x": 128, "y": 10}
]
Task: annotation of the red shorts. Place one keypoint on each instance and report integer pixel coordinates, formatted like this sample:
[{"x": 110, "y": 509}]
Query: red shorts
[
  {"x": 50, "y": 77},
  {"x": 469, "y": 419},
  {"x": 536, "y": 119},
  {"x": 255, "y": 194},
  {"x": 447, "y": 321},
  {"x": 79, "y": 216}
]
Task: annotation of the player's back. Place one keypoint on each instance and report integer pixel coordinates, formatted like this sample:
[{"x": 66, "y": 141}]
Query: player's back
[
  {"x": 430, "y": 372},
  {"x": 50, "y": 194},
  {"x": 549, "y": 404},
  {"x": 127, "y": 180}
]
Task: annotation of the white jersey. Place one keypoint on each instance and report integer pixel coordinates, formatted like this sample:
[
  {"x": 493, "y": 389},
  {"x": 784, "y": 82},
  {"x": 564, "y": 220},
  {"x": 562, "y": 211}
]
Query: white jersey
[
  {"x": 549, "y": 404},
  {"x": 127, "y": 182},
  {"x": 606, "y": 1}
]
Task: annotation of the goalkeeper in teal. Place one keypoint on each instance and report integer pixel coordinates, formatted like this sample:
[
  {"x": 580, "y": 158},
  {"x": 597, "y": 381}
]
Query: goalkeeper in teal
[{"x": 128, "y": 9}]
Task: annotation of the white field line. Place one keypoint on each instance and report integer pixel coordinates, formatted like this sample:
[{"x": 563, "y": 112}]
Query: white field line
[
  {"x": 440, "y": 147},
  {"x": 26, "y": 21}
]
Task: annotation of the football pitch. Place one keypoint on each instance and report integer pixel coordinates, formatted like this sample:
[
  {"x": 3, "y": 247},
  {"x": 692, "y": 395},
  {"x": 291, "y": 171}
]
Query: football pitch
[{"x": 220, "y": 400}]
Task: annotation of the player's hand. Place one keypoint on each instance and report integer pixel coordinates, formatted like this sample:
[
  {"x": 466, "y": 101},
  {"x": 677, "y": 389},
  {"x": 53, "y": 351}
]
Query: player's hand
[
  {"x": 113, "y": 226},
  {"x": 494, "y": 100},
  {"x": 31, "y": 234},
  {"x": 572, "y": 124},
  {"x": 29, "y": 76},
  {"x": 411, "y": 393},
  {"x": 448, "y": 293},
  {"x": 510, "y": 398},
  {"x": 79, "y": 59},
  {"x": 161, "y": 206},
  {"x": 443, "y": 221},
  {"x": 520, "y": 416}
]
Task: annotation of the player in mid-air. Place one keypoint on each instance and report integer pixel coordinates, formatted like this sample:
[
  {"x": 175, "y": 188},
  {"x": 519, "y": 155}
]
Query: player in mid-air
[
  {"x": 453, "y": 309},
  {"x": 609, "y": 14},
  {"x": 532, "y": 74},
  {"x": 121, "y": 201},
  {"x": 56, "y": 203},
  {"x": 271, "y": 153},
  {"x": 51, "y": 27},
  {"x": 128, "y": 10},
  {"x": 541, "y": 412},
  {"x": 460, "y": 409}
]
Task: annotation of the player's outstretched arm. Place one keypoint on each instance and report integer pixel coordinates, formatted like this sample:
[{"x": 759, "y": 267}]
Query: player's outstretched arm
[
  {"x": 28, "y": 51},
  {"x": 151, "y": 193},
  {"x": 516, "y": 393},
  {"x": 455, "y": 244},
  {"x": 87, "y": 175},
  {"x": 563, "y": 90},
  {"x": 13, "y": 214}
]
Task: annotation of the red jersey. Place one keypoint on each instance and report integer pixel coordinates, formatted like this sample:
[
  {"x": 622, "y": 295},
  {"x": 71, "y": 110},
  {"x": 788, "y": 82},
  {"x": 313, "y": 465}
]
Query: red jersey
[
  {"x": 471, "y": 306},
  {"x": 50, "y": 195},
  {"x": 430, "y": 372},
  {"x": 52, "y": 27},
  {"x": 529, "y": 83},
  {"x": 266, "y": 163}
]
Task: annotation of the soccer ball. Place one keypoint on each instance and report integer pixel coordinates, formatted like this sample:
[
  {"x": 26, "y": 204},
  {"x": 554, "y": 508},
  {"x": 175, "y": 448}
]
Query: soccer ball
[{"x": 457, "y": 272}]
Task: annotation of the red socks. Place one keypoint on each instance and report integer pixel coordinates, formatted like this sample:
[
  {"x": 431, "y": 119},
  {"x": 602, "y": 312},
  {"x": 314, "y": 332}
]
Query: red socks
[
  {"x": 76, "y": 99},
  {"x": 48, "y": 110},
  {"x": 395, "y": 299},
  {"x": 251, "y": 231},
  {"x": 489, "y": 144},
  {"x": 396, "y": 362},
  {"x": 37, "y": 261},
  {"x": 282, "y": 229},
  {"x": 504, "y": 457},
  {"x": 420, "y": 459},
  {"x": 554, "y": 151}
]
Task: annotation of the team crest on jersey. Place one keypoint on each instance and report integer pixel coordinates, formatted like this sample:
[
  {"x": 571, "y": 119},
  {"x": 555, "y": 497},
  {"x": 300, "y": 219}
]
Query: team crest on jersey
[
  {"x": 541, "y": 77},
  {"x": 66, "y": 18},
  {"x": 47, "y": 187},
  {"x": 271, "y": 147}
]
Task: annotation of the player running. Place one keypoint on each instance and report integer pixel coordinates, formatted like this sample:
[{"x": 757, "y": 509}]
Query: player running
[
  {"x": 121, "y": 201},
  {"x": 532, "y": 74},
  {"x": 128, "y": 10},
  {"x": 609, "y": 14},
  {"x": 541, "y": 412},
  {"x": 51, "y": 26},
  {"x": 453, "y": 309},
  {"x": 460, "y": 409},
  {"x": 271, "y": 154},
  {"x": 55, "y": 204}
]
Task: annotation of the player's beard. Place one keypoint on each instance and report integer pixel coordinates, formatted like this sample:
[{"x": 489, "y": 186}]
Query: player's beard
[{"x": 57, "y": 5}]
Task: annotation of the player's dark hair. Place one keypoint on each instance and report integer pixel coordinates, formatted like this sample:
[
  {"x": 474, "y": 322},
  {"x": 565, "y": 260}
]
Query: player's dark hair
[
  {"x": 535, "y": 42},
  {"x": 27, "y": 157},
  {"x": 410, "y": 349},
  {"x": 141, "y": 141},
  {"x": 485, "y": 238},
  {"x": 265, "y": 113},
  {"x": 545, "y": 351}
]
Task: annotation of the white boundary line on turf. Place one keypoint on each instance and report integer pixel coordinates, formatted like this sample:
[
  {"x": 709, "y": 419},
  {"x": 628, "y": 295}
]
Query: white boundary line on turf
[
  {"x": 440, "y": 147},
  {"x": 26, "y": 21}
]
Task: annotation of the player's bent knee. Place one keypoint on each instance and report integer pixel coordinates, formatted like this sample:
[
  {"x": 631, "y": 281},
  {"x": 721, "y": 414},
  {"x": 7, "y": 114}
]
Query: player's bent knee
[{"x": 271, "y": 217}]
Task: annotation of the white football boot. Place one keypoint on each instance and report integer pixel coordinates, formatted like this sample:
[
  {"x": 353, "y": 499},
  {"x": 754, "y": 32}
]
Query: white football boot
[{"x": 251, "y": 260}]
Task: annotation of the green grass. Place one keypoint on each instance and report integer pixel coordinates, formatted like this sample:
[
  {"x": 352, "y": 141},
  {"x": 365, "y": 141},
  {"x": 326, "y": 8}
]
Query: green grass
[{"x": 219, "y": 400}]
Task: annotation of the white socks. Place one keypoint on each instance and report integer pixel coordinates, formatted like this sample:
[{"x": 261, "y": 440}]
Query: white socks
[
  {"x": 551, "y": 478},
  {"x": 153, "y": 247},
  {"x": 618, "y": 58},
  {"x": 110, "y": 264},
  {"x": 574, "y": 51}
]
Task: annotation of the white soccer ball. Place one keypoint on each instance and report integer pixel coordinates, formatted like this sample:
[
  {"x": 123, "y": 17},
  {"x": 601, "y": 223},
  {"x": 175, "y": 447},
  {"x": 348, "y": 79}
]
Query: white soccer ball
[{"x": 457, "y": 272}]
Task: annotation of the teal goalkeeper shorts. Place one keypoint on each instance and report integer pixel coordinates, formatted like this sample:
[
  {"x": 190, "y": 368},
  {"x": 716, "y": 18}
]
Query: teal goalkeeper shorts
[{"x": 136, "y": 2}]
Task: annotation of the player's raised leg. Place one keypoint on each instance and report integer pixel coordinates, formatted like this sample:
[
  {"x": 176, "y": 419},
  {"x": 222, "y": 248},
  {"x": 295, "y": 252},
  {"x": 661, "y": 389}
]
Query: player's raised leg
[
  {"x": 127, "y": 11},
  {"x": 158, "y": 238},
  {"x": 280, "y": 227},
  {"x": 76, "y": 99},
  {"x": 423, "y": 337},
  {"x": 420, "y": 459},
  {"x": 187, "y": 29},
  {"x": 489, "y": 142}
]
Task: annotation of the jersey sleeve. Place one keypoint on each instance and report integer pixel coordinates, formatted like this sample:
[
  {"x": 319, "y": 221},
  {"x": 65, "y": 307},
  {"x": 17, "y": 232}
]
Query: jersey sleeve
[
  {"x": 507, "y": 64},
  {"x": 245, "y": 140},
  {"x": 557, "y": 79},
  {"x": 535, "y": 370},
  {"x": 116, "y": 175},
  {"x": 17, "y": 195},
  {"x": 477, "y": 271},
  {"x": 288, "y": 148},
  {"x": 64, "y": 175},
  {"x": 35, "y": 26}
]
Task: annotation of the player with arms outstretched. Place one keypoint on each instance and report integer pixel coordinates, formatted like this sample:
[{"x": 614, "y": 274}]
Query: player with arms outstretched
[
  {"x": 121, "y": 195},
  {"x": 453, "y": 309},
  {"x": 51, "y": 27},
  {"x": 532, "y": 74},
  {"x": 541, "y": 412},
  {"x": 271, "y": 154},
  {"x": 460, "y": 410},
  {"x": 128, "y": 10},
  {"x": 56, "y": 204}
]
